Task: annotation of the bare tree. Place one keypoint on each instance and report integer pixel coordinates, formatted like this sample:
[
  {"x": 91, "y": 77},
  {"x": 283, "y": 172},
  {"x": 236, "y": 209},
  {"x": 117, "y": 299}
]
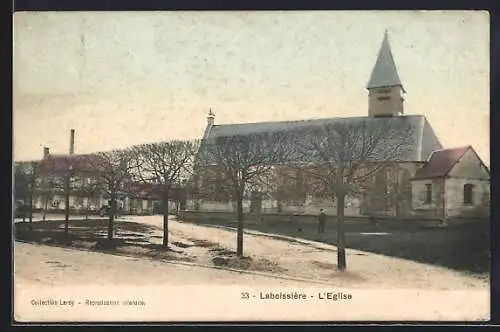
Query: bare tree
[
  {"x": 115, "y": 169},
  {"x": 164, "y": 165},
  {"x": 48, "y": 184},
  {"x": 243, "y": 163},
  {"x": 32, "y": 185},
  {"x": 289, "y": 186},
  {"x": 342, "y": 158},
  {"x": 21, "y": 185},
  {"x": 68, "y": 181},
  {"x": 57, "y": 176},
  {"x": 26, "y": 176},
  {"x": 392, "y": 190},
  {"x": 91, "y": 190}
]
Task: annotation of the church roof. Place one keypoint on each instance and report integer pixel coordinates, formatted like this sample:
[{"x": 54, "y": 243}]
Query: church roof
[
  {"x": 441, "y": 163},
  {"x": 422, "y": 143},
  {"x": 384, "y": 72}
]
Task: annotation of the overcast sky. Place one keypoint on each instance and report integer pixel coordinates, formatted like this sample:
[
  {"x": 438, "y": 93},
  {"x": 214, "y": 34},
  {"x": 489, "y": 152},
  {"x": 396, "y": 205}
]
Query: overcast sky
[{"x": 124, "y": 78}]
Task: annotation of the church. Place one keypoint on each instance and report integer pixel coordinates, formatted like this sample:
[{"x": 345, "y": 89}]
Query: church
[{"x": 422, "y": 179}]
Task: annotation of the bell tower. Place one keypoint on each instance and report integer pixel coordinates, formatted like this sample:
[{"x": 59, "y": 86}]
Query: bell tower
[{"x": 385, "y": 90}]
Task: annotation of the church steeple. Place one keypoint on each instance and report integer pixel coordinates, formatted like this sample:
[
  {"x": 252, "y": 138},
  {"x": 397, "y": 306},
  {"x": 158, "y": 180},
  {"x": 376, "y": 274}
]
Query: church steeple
[
  {"x": 385, "y": 87},
  {"x": 210, "y": 123}
]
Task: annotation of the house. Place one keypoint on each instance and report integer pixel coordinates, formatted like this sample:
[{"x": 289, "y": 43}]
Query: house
[
  {"x": 142, "y": 198},
  {"x": 454, "y": 183},
  {"x": 391, "y": 192},
  {"x": 86, "y": 186},
  {"x": 85, "y": 190}
]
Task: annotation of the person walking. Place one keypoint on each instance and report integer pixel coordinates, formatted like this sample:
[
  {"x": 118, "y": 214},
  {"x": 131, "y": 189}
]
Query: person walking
[{"x": 321, "y": 221}]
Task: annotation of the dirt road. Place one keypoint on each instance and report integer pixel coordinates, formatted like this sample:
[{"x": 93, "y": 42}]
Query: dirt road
[
  {"x": 316, "y": 261},
  {"x": 55, "y": 284},
  {"x": 52, "y": 266}
]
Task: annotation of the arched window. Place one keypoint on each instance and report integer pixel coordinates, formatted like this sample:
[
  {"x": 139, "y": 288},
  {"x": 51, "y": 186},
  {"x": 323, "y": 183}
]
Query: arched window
[{"x": 468, "y": 193}]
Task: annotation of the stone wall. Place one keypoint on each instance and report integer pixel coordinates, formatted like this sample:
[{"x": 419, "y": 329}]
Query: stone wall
[
  {"x": 428, "y": 209},
  {"x": 455, "y": 198}
]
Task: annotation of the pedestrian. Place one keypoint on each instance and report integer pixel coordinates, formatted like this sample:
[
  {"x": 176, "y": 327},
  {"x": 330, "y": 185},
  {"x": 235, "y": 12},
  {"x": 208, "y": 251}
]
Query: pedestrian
[{"x": 321, "y": 221}]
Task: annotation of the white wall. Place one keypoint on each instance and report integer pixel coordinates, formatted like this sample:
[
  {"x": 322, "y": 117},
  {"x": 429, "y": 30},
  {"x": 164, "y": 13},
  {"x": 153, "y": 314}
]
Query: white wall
[
  {"x": 205, "y": 205},
  {"x": 469, "y": 166},
  {"x": 455, "y": 196},
  {"x": 436, "y": 206},
  {"x": 352, "y": 206}
]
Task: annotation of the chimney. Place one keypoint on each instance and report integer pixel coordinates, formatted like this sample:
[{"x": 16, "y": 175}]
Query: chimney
[
  {"x": 46, "y": 152},
  {"x": 72, "y": 142}
]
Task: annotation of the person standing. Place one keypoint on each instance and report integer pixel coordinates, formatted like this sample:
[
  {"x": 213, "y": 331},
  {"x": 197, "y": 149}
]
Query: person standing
[{"x": 321, "y": 221}]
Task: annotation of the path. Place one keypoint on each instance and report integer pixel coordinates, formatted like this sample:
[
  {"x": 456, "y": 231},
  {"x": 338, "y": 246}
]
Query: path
[
  {"x": 316, "y": 261},
  {"x": 53, "y": 266}
]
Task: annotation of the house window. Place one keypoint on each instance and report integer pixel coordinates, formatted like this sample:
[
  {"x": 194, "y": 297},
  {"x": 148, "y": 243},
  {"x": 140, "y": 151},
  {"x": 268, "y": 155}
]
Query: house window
[
  {"x": 384, "y": 98},
  {"x": 468, "y": 194},
  {"x": 428, "y": 193}
]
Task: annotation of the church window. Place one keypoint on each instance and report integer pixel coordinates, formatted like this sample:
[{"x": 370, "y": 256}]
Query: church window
[
  {"x": 384, "y": 90},
  {"x": 384, "y": 98},
  {"x": 428, "y": 193},
  {"x": 468, "y": 194}
]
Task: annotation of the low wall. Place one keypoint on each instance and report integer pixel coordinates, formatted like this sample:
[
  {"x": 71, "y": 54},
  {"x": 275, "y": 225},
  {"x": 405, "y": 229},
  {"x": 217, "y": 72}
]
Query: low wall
[
  {"x": 88, "y": 212},
  {"x": 308, "y": 220}
]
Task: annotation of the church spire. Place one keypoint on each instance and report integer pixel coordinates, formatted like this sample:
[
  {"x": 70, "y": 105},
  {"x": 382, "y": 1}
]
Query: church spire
[
  {"x": 384, "y": 72},
  {"x": 210, "y": 123},
  {"x": 385, "y": 97}
]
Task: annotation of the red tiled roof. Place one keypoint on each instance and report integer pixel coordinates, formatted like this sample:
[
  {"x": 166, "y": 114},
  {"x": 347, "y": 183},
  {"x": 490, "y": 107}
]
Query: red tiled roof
[
  {"x": 78, "y": 162},
  {"x": 440, "y": 163}
]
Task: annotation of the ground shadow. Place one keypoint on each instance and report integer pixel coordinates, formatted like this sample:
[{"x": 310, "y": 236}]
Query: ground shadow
[
  {"x": 130, "y": 238},
  {"x": 463, "y": 247},
  {"x": 229, "y": 259}
]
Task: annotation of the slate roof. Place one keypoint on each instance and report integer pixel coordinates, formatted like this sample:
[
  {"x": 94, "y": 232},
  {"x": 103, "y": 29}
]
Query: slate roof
[
  {"x": 61, "y": 163},
  {"x": 384, "y": 72},
  {"x": 418, "y": 148},
  {"x": 441, "y": 163}
]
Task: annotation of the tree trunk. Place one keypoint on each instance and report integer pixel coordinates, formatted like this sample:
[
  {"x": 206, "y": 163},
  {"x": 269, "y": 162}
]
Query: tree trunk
[
  {"x": 87, "y": 209},
  {"x": 240, "y": 218},
  {"x": 165, "y": 217},
  {"x": 66, "y": 204},
  {"x": 25, "y": 203},
  {"x": 111, "y": 219},
  {"x": 45, "y": 206},
  {"x": 341, "y": 256},
  {"x": 31, "y": 194},
  {"x": 31, "y": 210}
]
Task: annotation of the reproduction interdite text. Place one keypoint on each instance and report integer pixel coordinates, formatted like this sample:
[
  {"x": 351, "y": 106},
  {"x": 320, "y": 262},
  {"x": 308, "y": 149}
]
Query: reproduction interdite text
[{"x": 87, "y": 302}]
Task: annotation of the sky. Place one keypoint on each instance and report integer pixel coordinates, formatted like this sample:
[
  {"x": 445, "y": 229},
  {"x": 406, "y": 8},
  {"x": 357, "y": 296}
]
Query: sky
[{"x": 125, "y": 78}]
